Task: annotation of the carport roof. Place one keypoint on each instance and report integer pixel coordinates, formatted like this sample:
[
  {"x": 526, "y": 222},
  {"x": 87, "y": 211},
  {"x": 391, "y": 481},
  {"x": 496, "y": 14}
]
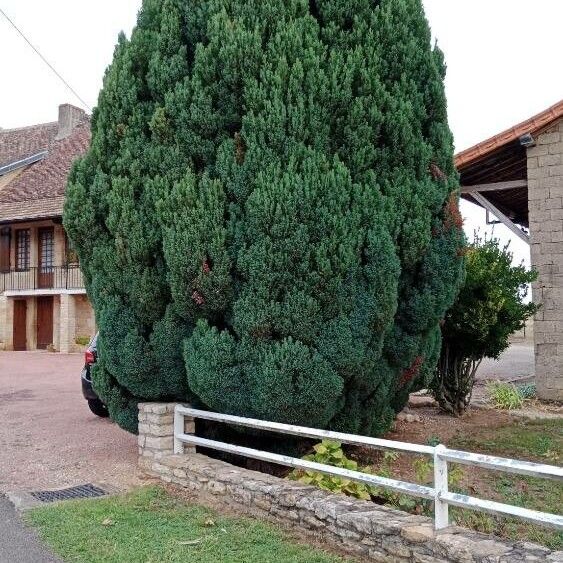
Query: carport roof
[{"x": 502, "y": 160}]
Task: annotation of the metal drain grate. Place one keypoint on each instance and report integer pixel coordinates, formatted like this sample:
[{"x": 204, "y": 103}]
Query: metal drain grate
[{"x": 82, "y": 491}]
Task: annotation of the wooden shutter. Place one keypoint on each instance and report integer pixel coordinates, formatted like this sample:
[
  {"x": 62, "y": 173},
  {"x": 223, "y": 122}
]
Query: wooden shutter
[{"x": 5, "y": 240}]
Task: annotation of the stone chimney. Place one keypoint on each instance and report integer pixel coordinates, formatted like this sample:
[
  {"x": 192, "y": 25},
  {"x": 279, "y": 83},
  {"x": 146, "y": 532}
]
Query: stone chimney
[{"x": 69, "y": 117}]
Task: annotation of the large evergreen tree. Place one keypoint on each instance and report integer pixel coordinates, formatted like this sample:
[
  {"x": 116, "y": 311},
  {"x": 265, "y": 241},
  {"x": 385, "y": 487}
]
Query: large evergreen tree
[{"x": 266, "y": 218}]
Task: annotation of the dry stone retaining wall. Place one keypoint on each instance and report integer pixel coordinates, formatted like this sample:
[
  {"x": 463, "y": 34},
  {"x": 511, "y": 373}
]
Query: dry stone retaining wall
[{"x": 361, "y": 528}]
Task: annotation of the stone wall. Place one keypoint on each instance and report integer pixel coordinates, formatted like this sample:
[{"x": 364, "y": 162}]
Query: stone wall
[
  {"x": 545, "y": 189},
  {"x": 358, "y": 527},
  {"x": 85, "y": 324},
  {"x": 76, "y": 321},
  {"x": 156, "y": 432}
]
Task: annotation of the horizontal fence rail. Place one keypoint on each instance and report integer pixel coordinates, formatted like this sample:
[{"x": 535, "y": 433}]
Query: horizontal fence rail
[
  {"x": 441, "y": 455},
  {"x": 46, "y": 277}
]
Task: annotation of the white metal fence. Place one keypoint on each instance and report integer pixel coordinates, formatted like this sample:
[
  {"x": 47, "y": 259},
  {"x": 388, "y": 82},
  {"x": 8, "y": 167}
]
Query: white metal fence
[{"x": 441, "y": 455}]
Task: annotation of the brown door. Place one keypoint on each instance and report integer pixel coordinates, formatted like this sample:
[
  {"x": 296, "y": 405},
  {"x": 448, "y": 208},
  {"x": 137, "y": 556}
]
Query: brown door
[
  {"x": 20, "y": 323},
  {"x": 44, "y": 322},
  {"x": 46, "y": 241}
]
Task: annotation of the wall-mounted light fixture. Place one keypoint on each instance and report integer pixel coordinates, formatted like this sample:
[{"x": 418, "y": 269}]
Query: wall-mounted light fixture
[{"x": 527, "y": 140}]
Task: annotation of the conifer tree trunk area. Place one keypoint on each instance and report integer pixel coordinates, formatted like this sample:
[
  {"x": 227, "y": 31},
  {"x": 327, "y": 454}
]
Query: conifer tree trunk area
[
  {"x": 455, "y": 379},
  {"x": 267, "y": 217}
]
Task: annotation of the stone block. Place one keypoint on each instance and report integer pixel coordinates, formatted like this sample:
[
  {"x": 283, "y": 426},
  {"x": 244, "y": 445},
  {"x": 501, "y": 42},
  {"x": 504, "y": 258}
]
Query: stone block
[
  {"x": 554, "y": 171},
  {"x": 556, "y": 148},
  {"x": 160, "y": 418},
  {"x": 420, "y": 558},
  {"x": 538, "y": 173},
  {"x": 555, "y": 190},
  {"x": 549, "y": 160},
  {"x": 161, "y": 444},
  {"x": 160, "y": 430},
  {"x": 538, "y": 150},
  {"x": 163, "y": 408},
  {"x": 393, "y": 545},
  {"x": 537, "y": 197},
  {"x": 418, "y": 534},
  {"x": 549, "y": 138}
]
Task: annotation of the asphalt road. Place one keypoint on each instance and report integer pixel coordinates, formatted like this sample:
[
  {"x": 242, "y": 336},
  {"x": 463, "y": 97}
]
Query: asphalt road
[
  {"x": 18, "y": 543},
  {"x": 515, "y": 363}
]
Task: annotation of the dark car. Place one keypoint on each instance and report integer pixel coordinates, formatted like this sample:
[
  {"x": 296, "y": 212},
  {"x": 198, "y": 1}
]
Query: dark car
[{"x": 94, "y": 402}]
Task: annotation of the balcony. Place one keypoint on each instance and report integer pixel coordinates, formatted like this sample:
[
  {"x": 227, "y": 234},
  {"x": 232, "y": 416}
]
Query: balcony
[{"x": 49, "y": 279}]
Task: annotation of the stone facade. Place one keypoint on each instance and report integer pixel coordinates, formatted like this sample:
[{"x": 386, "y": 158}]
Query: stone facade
[
  {"x": 358, "y": 527},
  {"x": 545, "y": 189},
  {"x": 73, "y": 316}
]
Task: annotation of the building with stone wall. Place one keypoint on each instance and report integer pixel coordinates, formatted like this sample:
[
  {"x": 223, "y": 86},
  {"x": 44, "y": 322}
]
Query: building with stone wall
[
  {"x": 43, "y": 302},
  {"x": 517, "y": 176}
]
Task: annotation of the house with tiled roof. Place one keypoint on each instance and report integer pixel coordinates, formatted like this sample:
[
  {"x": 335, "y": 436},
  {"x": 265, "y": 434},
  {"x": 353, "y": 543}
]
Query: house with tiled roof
[
  {"x": 43, "y": 301},
  {"x": 517, "y": 176}
]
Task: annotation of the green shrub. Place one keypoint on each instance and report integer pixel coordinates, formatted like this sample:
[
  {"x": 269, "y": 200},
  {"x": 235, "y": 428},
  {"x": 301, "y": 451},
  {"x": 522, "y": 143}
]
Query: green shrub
[
  {"x": 504, "y": 395},
  {"x": 424, "y": 472},
  {"x": 82, "y": 340},
  {"x": 527, "y": 391},
  {"x": 267, "y": 218},
  {"x": 490, "y": 307},
  {"x": 331, "y": 453}
]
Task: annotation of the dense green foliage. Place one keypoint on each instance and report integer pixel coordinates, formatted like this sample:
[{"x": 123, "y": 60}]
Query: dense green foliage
[
  {"x": 266, "y": 217},
  {"x": 331, "y": 453},
  {"x": 489, "y": 308}
]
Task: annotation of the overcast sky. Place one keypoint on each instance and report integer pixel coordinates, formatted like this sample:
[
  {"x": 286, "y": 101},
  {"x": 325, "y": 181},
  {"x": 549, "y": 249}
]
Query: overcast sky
[{"x": 503, "y": 56}]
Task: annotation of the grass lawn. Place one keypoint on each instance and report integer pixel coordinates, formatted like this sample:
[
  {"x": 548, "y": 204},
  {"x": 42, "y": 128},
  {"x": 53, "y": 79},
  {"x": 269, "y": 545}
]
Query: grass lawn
[
  {"x": 495, "y": 433},
  {"x": 150, "y": 526},
  {"x": 540, "y": 441}
]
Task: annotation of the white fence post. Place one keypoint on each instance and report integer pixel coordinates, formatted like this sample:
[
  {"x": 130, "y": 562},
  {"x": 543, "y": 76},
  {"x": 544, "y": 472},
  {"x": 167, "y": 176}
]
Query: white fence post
[
  {"x": 441, "y": 516},
  {"x": 178, "y": 429},
  {"x": 185, "y": 441}
]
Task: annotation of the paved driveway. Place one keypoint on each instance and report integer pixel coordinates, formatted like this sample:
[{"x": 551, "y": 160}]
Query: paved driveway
[
  {"x": 48, "y": 437},
  {"x": 517, "y": 362}
]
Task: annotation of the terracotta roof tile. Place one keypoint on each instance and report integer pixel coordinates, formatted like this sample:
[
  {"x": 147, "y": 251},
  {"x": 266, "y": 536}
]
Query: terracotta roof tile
[
  {"x": 17, "y": 144},
  {"x": 38, "y": 190},
  {"x": 37, "y": 209},
  {"x": 532, "y": 126},
  {"x": 47, "y": 178}
]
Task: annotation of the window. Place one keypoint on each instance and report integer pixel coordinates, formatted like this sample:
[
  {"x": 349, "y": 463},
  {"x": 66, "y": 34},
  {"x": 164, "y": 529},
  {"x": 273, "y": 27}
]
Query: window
[
  {"x": 46, "y": 249},
  {"x": 22, "y": 249}
]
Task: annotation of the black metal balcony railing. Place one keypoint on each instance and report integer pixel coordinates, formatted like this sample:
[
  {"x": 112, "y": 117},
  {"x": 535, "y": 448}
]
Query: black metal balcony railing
[{"x": 51, "y": 277}]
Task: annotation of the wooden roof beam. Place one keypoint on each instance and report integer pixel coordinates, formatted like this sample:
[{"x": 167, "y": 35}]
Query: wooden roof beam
[
  {"x": 501, "y": 216},
  {"x": 494, "y": 187}
]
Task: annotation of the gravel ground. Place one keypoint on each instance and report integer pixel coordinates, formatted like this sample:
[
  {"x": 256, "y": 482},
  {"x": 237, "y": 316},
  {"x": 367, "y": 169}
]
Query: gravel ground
[{"x": 48, "y": 437}]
